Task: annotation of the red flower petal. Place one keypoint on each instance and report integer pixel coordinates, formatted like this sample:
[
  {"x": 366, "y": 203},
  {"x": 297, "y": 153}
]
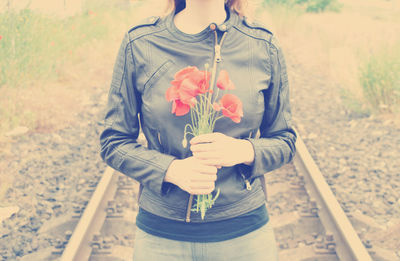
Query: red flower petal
[
  {"x": 187, "y": 84},
  {"x": 182, "y": 74},
  {"x": 187, "y": 91},
  {"x": 201, "y": 79},
  {"x": 180, "y": 108},
  {"x": 171, "y": 93},
  {"x": 223, "y": 82},
  {"x": 232, "y": 107}
]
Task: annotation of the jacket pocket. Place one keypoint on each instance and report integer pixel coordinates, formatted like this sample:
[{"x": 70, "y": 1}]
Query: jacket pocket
[{"x": 158, "y": 73}]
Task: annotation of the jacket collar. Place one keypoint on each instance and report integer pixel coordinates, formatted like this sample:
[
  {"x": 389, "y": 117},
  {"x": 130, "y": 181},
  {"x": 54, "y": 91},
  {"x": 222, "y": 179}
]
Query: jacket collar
[{"x": 232, "y": 19}]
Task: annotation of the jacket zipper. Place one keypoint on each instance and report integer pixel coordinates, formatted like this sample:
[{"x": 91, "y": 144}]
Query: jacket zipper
[
  {"x": 217, "y": 51},
  {"x": 189, "y": 207},
  {"x": 217, "y": 59},
  {"x": 246, "y": 182}
]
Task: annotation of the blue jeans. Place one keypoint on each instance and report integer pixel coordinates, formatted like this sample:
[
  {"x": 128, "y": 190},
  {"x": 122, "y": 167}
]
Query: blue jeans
[{"x": 259, "y": 245}]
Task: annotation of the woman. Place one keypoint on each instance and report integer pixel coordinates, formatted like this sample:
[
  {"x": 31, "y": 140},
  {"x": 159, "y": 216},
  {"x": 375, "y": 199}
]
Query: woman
[{"x": 152, "y": 57}]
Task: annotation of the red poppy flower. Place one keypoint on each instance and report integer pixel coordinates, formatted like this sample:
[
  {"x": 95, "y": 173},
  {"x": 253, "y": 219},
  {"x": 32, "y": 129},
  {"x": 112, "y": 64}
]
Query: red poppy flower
[
  {"x": 231, "y": 107},
  {"x": 223, "y": 82},
  {"x": 179, "y": 108},
  {"x": 187, "y": 84},
  {"x": 1, "y": 37}
]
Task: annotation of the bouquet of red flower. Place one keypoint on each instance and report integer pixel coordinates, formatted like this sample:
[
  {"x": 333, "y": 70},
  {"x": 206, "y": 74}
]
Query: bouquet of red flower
[{"x": 192, "y": 91}]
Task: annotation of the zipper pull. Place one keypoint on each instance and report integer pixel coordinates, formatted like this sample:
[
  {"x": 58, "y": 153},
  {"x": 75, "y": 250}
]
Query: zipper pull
[
  {"x": 248, "y": 186},
  {"x": 218, "y": 53},
  {"x": 159, "y": 138},
  {"x": 189, "y": 208}
]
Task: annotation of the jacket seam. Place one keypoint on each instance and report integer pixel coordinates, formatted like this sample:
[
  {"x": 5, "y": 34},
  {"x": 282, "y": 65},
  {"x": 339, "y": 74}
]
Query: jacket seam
[
  {"x": 137, "y": 37},
  {"x": 269, "y": 41},
  {"x": 283, "y": 82},
  {"x": 133, "y": 59},
  {"x": 120, "y": 85},
  {"x": 240, "y": 202},
  {"x": 232, "y": 205},
  {"x": 146, "y": 161},
  {"x": 150, "y": 198},
  {"x": 126, "y": 154},
  {"x": 189, "y": 41},
  {"x": 121, "y": 154},
  {"x": 253, "y": 36}
]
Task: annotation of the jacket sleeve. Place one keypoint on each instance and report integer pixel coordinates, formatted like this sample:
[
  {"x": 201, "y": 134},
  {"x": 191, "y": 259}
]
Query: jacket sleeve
[
  {"x": 118, "y": 140},
  {"x": 276, "y": 144}
]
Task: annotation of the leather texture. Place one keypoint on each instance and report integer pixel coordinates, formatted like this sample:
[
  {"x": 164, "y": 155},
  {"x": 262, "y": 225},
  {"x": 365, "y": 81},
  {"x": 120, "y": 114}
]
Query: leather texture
[{"x": 150, "y": 55}]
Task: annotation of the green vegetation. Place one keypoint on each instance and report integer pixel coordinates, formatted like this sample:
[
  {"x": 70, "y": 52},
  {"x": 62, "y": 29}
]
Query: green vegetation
[
  {"x": 33, "y": 46},
  {"x": 48, "y": 64},
  {"x": 312, "y": 6},
  {"x": 380, "y": 80}
]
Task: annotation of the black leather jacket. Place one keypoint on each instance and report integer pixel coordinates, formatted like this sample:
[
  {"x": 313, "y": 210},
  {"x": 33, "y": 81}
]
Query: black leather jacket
[{"x": 150, "y": 55}]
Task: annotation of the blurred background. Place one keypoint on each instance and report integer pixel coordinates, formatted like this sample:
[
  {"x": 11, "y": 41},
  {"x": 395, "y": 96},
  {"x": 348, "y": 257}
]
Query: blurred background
[
  {"x": 48, "y": 45},
  {"x": 56, "y": 61}
]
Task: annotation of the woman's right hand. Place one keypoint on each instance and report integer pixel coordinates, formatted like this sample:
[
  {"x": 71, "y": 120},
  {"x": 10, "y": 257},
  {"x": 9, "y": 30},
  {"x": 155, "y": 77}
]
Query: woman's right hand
[{"x": 192, "y": 175}]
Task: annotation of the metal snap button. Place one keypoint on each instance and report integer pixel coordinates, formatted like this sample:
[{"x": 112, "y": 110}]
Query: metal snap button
[
  {"x": 213, "y": 27},
  {"x": 223, "y": 27}
]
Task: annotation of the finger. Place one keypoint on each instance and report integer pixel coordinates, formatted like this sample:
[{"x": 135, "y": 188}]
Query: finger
[
  {"x": 201, "y": 190},
  {"x": 203, "y": 147},
  {"x": 204, "y": 178},
  {"x": 201, "y": 166},
  {"x": 214, "y": 162},
  {"x": 205, "y": 155},
  {"x": 209, "y": 137},
  {"x": 202, "y": 185},
  {"x": 210, "y": 172}
]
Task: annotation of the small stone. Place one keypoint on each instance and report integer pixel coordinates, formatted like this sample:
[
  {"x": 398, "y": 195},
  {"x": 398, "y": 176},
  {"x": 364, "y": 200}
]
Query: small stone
[{"x": 7, "y": 212}]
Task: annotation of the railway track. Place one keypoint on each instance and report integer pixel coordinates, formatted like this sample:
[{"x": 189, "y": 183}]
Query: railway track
[{"x": 309, "y": 222}]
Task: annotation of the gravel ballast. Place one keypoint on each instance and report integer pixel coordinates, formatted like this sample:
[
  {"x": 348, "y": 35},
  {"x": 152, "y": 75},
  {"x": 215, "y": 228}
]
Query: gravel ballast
[{"x": 358, "y": 155}]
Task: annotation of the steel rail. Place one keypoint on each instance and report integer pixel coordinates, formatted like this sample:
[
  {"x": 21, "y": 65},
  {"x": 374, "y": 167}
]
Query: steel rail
[
  {"x": 92, "y": 219},
  {"x": 333, "y": 218}
]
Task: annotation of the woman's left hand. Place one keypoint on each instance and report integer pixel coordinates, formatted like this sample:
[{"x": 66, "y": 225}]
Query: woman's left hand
[{"x": 218, "y": 149}]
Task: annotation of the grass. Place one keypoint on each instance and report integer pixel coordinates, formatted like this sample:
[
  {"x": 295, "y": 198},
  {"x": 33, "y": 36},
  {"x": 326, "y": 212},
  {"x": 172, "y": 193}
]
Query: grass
[
  {"x": 380, "y": 80},
  {"x": 48, "y": 64},
  {"x": 345, "y": 49},
  {"x": 34, "y": 47},
  {"x": 312, "y": 6}
]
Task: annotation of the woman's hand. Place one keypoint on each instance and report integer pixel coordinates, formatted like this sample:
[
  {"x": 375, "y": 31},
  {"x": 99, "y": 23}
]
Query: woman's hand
[
  {"x": 192, "y": 175},
  {"x": 217, "y": 149}
]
